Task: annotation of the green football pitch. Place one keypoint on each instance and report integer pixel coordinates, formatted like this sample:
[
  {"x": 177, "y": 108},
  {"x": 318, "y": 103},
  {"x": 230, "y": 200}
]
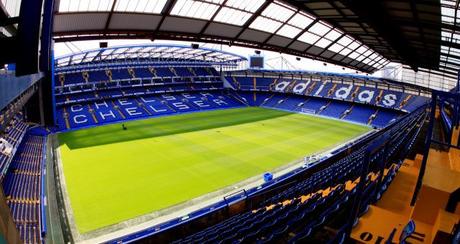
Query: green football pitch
[{"x": 113, "y": 175}]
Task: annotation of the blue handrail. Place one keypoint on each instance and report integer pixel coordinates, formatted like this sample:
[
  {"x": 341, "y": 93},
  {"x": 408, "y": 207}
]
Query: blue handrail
[{"x": 43, "y": 193}]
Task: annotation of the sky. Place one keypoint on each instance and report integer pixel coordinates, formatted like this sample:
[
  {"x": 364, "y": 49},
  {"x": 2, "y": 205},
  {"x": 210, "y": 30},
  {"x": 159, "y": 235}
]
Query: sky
[{"x": 273, "y": 60}]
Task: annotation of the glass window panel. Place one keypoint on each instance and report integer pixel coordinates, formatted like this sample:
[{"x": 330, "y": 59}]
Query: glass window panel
[
  {"x": 289, "y": 31},
  {"x": 368, "y": 53},
  {"x": 333, "y": 34},
  {"x": 85, "y": 5},
  {"x": 301, "y": 20},
  {"x": 361, "y": 49},
  {"x": 323, "y": 43},
  {"x": 319, "y": 28},
  {"x": 203, "y": 9},
  {"x": 366, "y": 61},
  {"x": 132, "y": 6},
  {"x": 354, "y": 45},
  {"x": 121, "y": 6},
  {"x": 360, "y": 58},
  {"x": 448, "y": 2},
  {"x": 232, "y": 16},
  {"x": 353, "y": 55},
  {"x": 336, "y": 48},
  {"x": 447, "y": 19},
  {"x": 141, "y": 5},
  {"x": 265, "y": 24},
  {"x": 251, "y": 6},
  {"x": 308, "y": 37},
  {"x": 452, "y": 66},
  {"x": 345, "y": 51},
  {"x": 345, "y": 41},
  {"x": 278, "y": 12},
  {"x": 446, "y": 33},
  {"x": 155, "y": 6},
  {"x": 73, "y": 6},
  {"x": 454, "y": 60},
  {"x": 448, "y": 11}
]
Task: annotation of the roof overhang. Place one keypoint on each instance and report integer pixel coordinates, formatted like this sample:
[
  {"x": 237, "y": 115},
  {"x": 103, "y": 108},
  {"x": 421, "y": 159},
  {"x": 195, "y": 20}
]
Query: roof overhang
[
  {"x": 271, "y": 25},
  {"x": 159, "y": 53},
  {"x": 420, "y": 34}
]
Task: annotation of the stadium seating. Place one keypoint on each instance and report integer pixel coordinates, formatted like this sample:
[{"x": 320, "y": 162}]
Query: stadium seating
[
  {"x": 108, "y": 110},
  {"x": 414, "y": 103},
  {"x": 13, "y": 134},
  {"x": 86, "y": 98},
  {"x": 299, "y": 213},
  {"x": 77, "y": 103},
  {"x": 22, "y": 187},
  {"x": 335, "y": 90},
  {"x": 357, "y": 113},
  {"x": 294, "y": 214}
]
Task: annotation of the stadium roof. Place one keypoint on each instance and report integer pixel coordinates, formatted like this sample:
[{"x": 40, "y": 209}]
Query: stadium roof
[
  {"x": 359, "y": 34},
  {"x": 165, "y": 53},
  {"x": 419, "y": 33},
  {"x": 450, "y": 36},
  {"x": 266, "y": 24}
]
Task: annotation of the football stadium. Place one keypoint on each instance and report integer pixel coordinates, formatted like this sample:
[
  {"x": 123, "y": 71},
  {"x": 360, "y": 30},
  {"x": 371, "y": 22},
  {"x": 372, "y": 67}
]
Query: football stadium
[{"x": 229, "y": 121}]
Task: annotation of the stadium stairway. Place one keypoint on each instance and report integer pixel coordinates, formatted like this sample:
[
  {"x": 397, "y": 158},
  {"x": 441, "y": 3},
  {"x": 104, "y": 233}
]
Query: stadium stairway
[
  {"x": 324, "y": 107},
  {"x": 141, "y": 105},
  {"x": 355, "y": 92},
  {"x": 23, "y": 188},
  {"x": 13, "y": 134},
  {"x": 117, "y": 108},
  {"x": 310, "y": 89},
  {"x": 378, "y": 99},
  {"x": 372, "y": 117},
  {"x": 292, "y": 220},
  {"x": 383, "y": 117},
  {"x": 347, "y": 112},
  {"x": 393, "y": 210},
  {"x": 266, "y": 100},
  {"x": 238, "y": 97},
  {"x": 236, "y": 83},
  {"x": 331, "y": 91},
  {"x": 433, "y": 220},
  {"x": 405, "y": 101}
]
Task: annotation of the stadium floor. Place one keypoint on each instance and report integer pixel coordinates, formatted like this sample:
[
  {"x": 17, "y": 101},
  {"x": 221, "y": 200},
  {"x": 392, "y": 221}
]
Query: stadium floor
[{"x": 113, "y": 175}]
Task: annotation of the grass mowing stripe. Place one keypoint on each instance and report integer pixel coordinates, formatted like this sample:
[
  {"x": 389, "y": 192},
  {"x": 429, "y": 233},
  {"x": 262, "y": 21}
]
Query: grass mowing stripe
[
  {"x": 113, "y": 175},
  {"x": 183, "y": 123}
]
